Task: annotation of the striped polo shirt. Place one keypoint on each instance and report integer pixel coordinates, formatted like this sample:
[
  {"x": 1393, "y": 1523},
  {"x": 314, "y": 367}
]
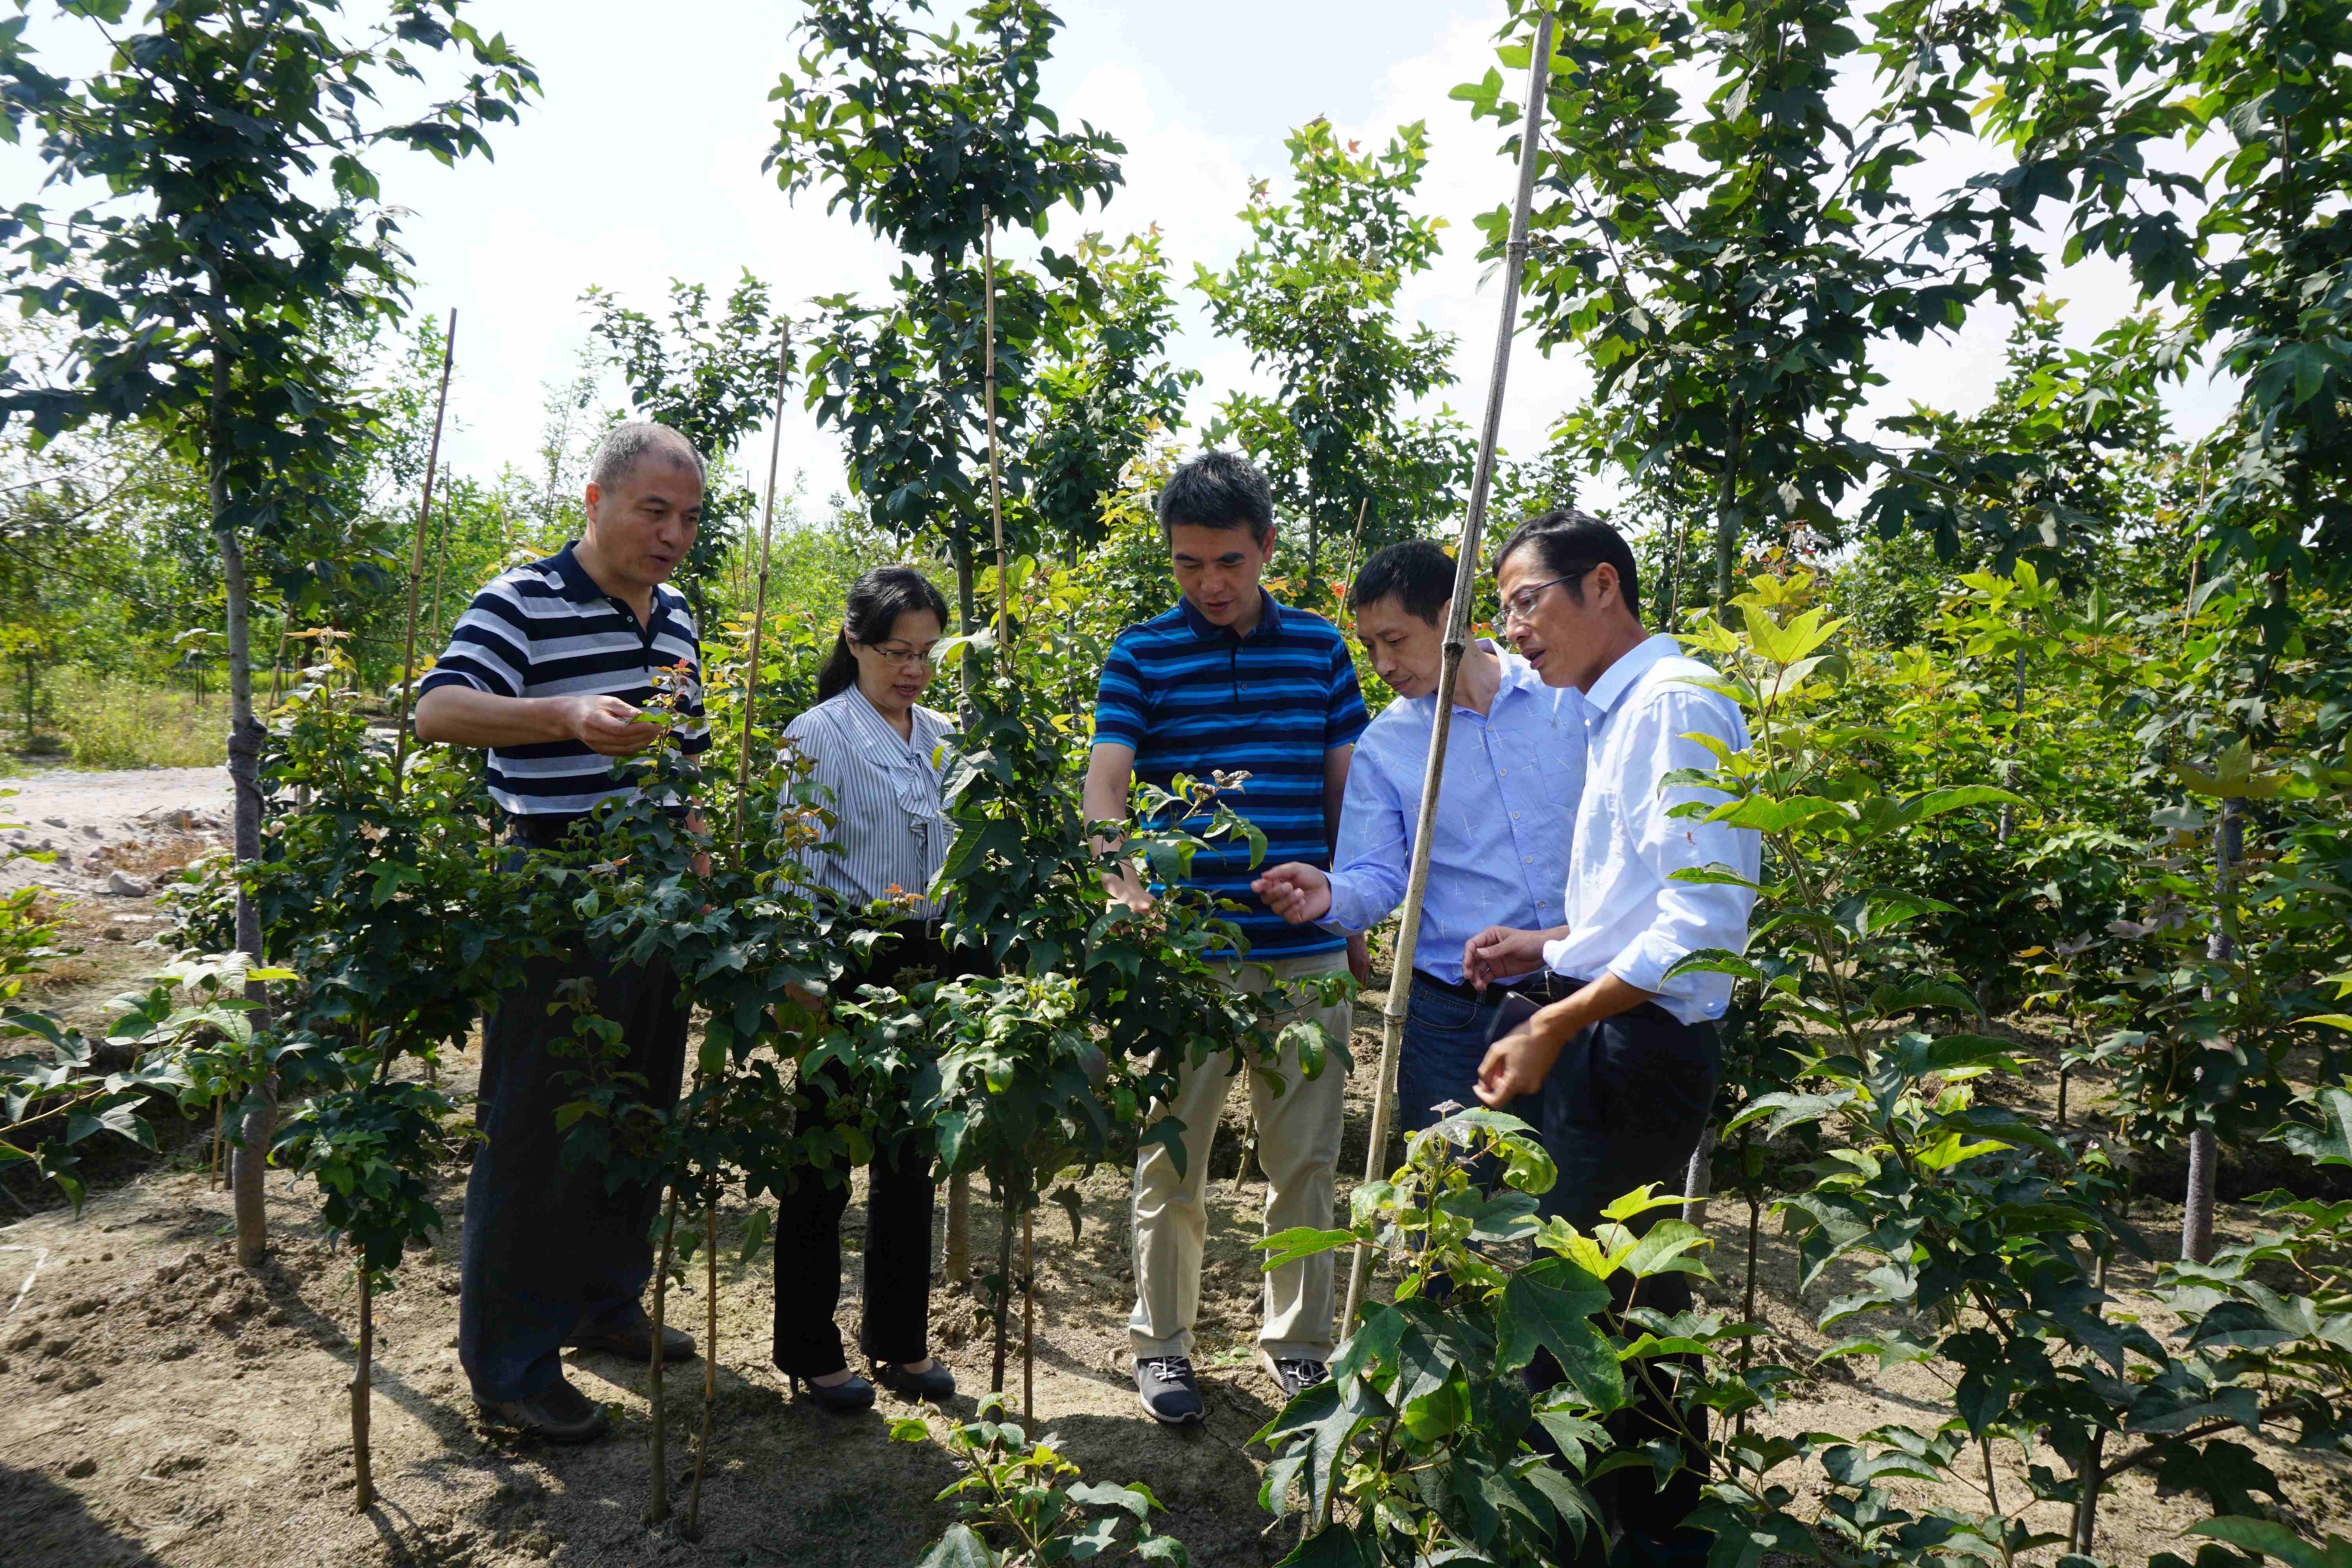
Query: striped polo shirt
[
  {"x": 1191, "y": 698},
  {"x": 547, "y": 630}
]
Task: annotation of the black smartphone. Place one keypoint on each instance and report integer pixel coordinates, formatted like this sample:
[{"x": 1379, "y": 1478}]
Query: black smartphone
[{"x": 1515, "y": 1010}]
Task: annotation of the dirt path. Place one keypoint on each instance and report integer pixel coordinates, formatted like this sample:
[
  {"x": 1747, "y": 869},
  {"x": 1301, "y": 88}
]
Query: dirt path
[{"x": 97, "y": 823}]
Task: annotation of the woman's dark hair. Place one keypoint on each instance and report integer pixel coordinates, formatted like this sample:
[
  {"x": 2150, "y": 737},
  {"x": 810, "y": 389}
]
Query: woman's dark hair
[
  {"x": 1417, "y": 574},
  {"x": 1217, "y": 490},
  {"x": 877, "y": 600},
  {"x": 1569, "y": 540}
]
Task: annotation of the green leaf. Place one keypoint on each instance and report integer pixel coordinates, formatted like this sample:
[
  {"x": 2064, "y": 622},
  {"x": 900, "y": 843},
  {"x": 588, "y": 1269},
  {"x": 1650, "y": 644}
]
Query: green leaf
[
  {"x": 1548, "y": 1306},
  {"x": 1333, "y": 1546},
  {"x": 960, "y": 1547},
  {"x": 2274, "y": 1540},
  {"x": 1302, "y": 1241}
]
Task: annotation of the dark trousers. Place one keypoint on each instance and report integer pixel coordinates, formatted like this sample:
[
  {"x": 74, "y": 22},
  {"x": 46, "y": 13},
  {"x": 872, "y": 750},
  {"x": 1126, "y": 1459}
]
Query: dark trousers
[
  {"x": 1625, "y": 1104},
  {"x": 551, "y": 1253},
  {"x": 895, "y": 1320}
]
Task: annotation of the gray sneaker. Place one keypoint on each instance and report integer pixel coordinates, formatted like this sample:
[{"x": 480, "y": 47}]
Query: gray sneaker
[{"x": 1169, "y": 1395}]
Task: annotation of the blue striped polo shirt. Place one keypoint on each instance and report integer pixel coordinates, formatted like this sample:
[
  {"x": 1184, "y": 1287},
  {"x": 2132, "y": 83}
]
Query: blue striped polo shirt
[
  {"x": 547, "y": 630},
  {"x": 1191, "y": 698}
]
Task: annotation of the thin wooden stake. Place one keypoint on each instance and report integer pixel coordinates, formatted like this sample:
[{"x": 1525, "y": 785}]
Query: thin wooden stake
[
  {"x": 440, "y": 567},
  {"x": 1457, "y": 633},
  {"x": 1028, "y": 1319},
  {"x": 710, "y": 1368},
  {"x": 417, "y": 556},
  {"x": 760, "y": 604}
]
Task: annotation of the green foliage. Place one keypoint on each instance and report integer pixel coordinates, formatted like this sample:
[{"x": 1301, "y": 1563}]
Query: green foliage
[
  {"x": 1314, "y": 296},
  {"x": 1425, "y": 1428},
  {"x": 190, "y": 1038},
  {"x": 370, "y": 1147},
  {"x": 1027, "y": 1495}
]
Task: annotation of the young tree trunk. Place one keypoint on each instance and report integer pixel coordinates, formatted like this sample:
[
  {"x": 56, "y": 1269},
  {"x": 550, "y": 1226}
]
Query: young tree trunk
[
  {"x": 363, "y": 1499},
  {"x": 657, "y": 1501},
  {"x": 1726, "y": 517},
  {"x": 2204, "y": 1155},
  {"x": 710, "y": 1368},
  {"x": 1003, "y": 1290},
  {"x": 1028, "y": 1319},
  {"x": 955, "y": 1247},
  {"x": 249, "y": 1163},
  {"x": 1699, "y": 1178}
]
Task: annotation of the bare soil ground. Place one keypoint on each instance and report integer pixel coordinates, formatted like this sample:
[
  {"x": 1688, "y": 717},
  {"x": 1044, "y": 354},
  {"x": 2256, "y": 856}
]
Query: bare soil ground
[{"x": 159, "y": 1404}]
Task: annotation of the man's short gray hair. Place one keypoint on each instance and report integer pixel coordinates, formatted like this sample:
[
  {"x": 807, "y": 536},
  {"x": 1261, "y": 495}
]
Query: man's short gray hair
[{"x": 625, "y": 445}]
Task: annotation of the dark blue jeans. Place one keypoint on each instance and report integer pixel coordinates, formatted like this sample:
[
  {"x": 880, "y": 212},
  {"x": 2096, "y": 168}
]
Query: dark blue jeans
[
  {"x": 551, "y": 1253},
  {"x": 1625, "y": 1104}
]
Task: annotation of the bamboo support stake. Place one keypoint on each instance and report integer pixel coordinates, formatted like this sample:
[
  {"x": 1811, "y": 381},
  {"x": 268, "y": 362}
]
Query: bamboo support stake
[
  {"x": 760, "y": 604},
  {"x": 440, "y": 568},
  {"x": 1457, "y": 636},
  {"x": 417, "y": 556}
]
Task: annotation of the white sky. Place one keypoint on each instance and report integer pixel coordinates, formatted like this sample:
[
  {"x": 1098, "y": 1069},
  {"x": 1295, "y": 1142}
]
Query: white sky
[{"x": 642, "y": 163}]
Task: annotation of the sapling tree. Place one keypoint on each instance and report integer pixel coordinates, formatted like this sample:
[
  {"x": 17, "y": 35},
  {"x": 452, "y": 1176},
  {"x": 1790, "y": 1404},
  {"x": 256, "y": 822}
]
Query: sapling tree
[
  {"x": 933, "y": 140},
  {"x": 1314, "y": 296},
  {"x": 234, "y": 227},
  {"x": 1025, "y": 1492},
  {"x": 370, "y": 1147}
]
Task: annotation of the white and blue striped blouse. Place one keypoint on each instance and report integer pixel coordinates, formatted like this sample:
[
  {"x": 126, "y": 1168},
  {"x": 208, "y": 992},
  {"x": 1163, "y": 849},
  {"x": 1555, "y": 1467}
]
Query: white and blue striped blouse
[{"x": 888, "y": 830}]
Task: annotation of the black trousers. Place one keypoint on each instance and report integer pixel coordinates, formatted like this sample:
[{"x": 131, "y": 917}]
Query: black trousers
[
  {"x": 895, "y": 1320},
  {"x": 1625, "y": 1104},
  {"x": 549, "y": 1253}
]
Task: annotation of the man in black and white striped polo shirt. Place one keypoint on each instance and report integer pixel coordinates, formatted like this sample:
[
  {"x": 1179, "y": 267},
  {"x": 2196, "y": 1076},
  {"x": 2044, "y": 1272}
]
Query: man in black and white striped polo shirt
[{"x": 546, "y": 668}]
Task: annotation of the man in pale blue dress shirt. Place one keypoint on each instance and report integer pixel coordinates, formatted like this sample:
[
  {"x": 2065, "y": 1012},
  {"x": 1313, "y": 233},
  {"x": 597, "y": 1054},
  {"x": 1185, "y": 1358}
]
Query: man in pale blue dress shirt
[
  {"x": 1514, "y": 772},
  {"x": 1628, "y": 1060}
]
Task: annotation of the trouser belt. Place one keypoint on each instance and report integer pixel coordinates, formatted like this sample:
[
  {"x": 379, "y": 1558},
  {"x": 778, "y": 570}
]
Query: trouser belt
[{"x": 1540, "y": 988}]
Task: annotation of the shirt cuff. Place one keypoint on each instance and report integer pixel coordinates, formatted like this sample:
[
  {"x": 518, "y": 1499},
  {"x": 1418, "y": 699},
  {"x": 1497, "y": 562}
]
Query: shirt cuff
[
  {"x": 1345, "y": 914},
  {"x": 1643, "y": 964}
]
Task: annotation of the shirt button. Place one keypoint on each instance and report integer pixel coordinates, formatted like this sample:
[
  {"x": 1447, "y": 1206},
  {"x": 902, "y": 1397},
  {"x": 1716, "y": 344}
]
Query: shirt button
[{"x": 1528, "y": 860}]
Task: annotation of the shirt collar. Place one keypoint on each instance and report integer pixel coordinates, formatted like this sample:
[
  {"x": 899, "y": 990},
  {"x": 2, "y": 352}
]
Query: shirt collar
[
  {"x": 1269, "y": 615},
  {"x": 582, "y": 589},
  {"x": 1638, "y": 662}
]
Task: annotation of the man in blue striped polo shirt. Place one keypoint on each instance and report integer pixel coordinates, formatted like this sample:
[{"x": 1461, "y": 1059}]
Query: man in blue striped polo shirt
[
  {"x": 547, "y": 669},
  {"x": 1232, "y": 680}
]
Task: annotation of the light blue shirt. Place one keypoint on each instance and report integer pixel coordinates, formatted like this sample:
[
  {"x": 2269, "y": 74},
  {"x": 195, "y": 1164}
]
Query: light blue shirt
[
  {"x": 1513, "y": 777},
  {"x": 1626, "y": 914}
]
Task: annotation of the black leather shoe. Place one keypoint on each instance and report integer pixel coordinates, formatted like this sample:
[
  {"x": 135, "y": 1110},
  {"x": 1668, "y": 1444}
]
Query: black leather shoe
[
  {"x": 838, "y": 1399},
  {"x": 560, "y": 1414},
  {"x": 632, "y": 1339},
  {"x": 936, "y": 1386}
]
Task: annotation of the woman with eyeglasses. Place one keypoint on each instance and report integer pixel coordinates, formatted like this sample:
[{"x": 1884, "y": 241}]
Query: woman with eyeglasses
[{"x": 880, "y": 753}]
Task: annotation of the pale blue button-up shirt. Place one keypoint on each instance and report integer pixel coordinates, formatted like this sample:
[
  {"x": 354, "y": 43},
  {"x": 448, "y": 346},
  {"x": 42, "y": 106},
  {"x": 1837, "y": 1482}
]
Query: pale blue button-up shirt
[
  {"x": 1626, "y": 915},
  {"x": 1513, "y": 778}
]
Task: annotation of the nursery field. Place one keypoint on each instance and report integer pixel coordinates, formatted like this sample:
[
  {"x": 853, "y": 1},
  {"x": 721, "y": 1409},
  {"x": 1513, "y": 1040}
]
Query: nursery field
[
  {"x": 161, "y": 1404},
  {"x": 2020, "y": 1228}
]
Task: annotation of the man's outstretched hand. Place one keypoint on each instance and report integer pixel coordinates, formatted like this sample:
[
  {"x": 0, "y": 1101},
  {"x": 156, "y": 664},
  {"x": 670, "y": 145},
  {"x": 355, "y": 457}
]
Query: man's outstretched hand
[
  {"x": 1517, "y": 1064},
  {"x": 1294, "y": 890},
  {"x": 606, "y": 725}
]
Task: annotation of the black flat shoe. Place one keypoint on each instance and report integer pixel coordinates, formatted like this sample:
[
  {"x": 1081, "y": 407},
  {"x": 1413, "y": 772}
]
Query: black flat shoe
[
  {"x": 840, "y": 1399},
  {"x": 559, "y": 1414},
  {"x": 936, "y": 1386}
]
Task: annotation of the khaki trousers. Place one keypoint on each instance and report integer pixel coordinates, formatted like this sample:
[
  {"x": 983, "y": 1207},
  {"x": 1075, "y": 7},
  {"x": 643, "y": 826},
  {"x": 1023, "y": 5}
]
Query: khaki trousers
[{"x": 1298, "y": 1147}]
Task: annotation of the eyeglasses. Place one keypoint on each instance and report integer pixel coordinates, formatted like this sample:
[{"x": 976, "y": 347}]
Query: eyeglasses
[
  {"x": 1521, "y": 605},
  {"x": 897, "y": 655}
]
